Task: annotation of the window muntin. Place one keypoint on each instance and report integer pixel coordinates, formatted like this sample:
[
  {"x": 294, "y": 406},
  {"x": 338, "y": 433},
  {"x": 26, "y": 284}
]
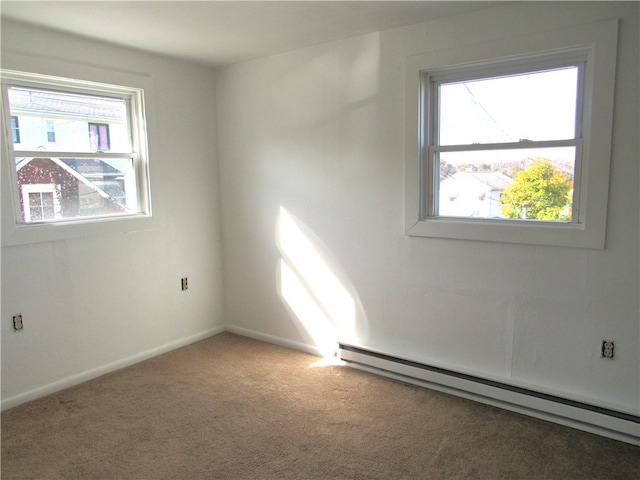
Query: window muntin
[
  {"x": 487, "y": 133},
  {"x": 98, "y": 163}
]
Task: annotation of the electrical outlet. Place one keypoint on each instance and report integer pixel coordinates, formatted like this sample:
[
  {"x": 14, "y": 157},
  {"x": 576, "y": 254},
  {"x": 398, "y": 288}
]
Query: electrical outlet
[
  {"x": 17, "y": 322},
  {"x": 184, "y": 284},
  {"x": 607, "y": 349}
]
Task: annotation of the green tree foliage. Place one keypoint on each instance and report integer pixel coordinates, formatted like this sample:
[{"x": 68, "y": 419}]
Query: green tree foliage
[{"x": 542, "y": 190}]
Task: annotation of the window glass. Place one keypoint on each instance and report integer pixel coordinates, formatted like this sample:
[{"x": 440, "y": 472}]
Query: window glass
[
  {"x": 80, "y": 155},
  {"x": 35, "y": 107},
  {"x": 505, "y": 184},
  {"x": 84, "y": 187},
  {"x": 513, "y": 108},
  {"x": 505, "y": 146}
]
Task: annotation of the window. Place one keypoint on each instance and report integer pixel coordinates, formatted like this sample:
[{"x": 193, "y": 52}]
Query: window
[
  {"x": 102, "y": 174},
  {"x": 504, "y": 143},
  {"x": 51, "y": 131},
  {"x": 99, "y": 136},
  {"x": 41, "y": 202},
  {"x": 510, "y": 141},
  {"x": 15, "y": 129}
]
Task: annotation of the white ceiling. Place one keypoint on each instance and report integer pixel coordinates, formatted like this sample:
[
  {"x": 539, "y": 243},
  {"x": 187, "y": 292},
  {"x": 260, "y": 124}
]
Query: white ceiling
[{"x": 223, "y": 32}]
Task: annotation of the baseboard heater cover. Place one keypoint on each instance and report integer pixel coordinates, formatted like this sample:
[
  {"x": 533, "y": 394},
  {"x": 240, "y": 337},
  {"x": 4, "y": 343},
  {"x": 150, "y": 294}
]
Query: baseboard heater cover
[{"x": 592, "y": 418}]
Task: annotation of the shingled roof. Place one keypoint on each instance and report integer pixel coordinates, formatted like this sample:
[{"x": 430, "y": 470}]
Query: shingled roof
[{"x": 65, "y": 104}]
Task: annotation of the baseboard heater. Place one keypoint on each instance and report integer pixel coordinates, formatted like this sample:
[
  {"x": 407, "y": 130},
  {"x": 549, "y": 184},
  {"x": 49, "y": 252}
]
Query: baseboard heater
[{"x": 591, "y": 418}]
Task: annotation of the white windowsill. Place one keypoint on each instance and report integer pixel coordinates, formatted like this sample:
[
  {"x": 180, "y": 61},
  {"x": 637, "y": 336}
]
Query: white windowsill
[
  {"x": 507, "y": 231},
  {"x": 50, "y": 232}
]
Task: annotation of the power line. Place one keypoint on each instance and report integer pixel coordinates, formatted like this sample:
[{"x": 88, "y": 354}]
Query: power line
[{"x": 479, "y": 104}]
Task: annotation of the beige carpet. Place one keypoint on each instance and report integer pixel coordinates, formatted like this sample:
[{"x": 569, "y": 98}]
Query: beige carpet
[{"x": 235, "y": 408}]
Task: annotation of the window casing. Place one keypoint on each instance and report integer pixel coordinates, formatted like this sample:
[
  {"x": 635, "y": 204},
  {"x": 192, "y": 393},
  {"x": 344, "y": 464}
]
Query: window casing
[
  {"x": 98, "y": 165},
  {"x": 591, "y": 51}
]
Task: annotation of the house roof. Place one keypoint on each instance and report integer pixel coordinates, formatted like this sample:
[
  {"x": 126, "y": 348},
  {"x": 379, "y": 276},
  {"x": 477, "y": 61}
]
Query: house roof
[
  {"x": 88, "y": 166},
  {"x": 65, "y": 104},
  {"x": 494, "y": 180},
  {"x": 25, "y": 161}
]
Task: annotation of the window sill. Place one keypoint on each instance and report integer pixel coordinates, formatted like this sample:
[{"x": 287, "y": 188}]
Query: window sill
[
  {"x": 507, "y": 231},
  {"x": 13, "y": 235}
]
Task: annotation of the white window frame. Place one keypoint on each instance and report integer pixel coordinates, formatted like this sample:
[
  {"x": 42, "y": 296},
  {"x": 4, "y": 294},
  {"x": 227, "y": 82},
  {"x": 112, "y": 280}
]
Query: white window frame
[
  {"x": 431, "y": 148},
  {"x": 89, "y": 81},
  {"x": 596, "y": 44},
  {"x": 39, "y": 188}
]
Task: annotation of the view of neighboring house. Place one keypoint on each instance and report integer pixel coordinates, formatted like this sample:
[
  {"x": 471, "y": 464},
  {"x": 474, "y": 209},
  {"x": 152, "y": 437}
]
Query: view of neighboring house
[
  {"x": 473, "y": 194},
  {"x": 56, "y": 121},
  {"x": 62, "y": 123},
  {"x": 51, "y": 189}
]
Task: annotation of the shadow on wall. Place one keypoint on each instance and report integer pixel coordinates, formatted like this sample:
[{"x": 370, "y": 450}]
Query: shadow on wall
[{"x": 315, "y": 290}]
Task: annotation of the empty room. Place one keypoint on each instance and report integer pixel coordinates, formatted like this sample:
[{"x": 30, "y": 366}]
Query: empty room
[{"x": 320, "y": 240}]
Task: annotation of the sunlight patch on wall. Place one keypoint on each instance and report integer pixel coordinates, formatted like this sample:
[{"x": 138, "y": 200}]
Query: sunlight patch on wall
[
  {"x": 310, "y": 288},
  {"x": 306, "y": 309}
]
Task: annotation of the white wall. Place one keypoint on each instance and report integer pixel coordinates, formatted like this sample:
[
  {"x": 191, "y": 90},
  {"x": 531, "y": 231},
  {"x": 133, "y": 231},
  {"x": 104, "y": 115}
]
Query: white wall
[
  {"x": 319, "y": 133},
  {"x": 91, "y": 304}
]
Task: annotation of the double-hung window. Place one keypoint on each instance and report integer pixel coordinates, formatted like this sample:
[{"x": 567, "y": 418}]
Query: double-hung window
[
  {"x": 504, "y": 142},
  {"x": 80, "y": 153},
  {"x": 510, "y": 141}
]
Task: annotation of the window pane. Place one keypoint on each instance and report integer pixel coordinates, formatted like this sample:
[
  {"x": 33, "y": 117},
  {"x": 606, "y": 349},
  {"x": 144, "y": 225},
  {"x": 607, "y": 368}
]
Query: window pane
[
  {"x": 103, "y": 136},
  {"x": 47, "y": 199},
  {"x": 86, "y": 187},
  {"x": 93, "y": 136},
  {"x": 532, "y": 106},
  {"x": 35, "y": 200},
  {"x": 532, "y": 184},
  {"x": 54, "y": 120}
]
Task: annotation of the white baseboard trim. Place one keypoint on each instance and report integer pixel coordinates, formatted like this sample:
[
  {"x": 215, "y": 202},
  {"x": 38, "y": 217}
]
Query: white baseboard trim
[
  {"x": 303, "y": 347},
  {"x": 81, "y": 377},
  {"x": 600, "y": 421}
]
